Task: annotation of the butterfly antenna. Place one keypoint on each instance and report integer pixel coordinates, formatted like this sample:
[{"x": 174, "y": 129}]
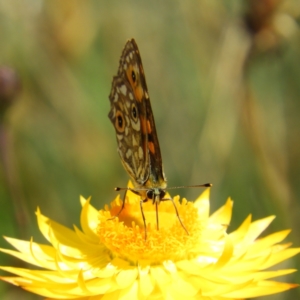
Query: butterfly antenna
[
  {"x": 122, "y": 188},
  {"x": 135, "y": 191},
  {"x": 189, "y": 186},
  {"x": 170, "y": 188}
]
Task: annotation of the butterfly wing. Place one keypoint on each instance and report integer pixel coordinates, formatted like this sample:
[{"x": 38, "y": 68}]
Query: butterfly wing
[
  {"x": 132, "y": 117},
  {"x": 131, "y": 147}
]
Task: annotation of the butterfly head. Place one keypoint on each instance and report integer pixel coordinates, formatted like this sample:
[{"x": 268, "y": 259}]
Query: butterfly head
[{"x": 155, "y": 194}]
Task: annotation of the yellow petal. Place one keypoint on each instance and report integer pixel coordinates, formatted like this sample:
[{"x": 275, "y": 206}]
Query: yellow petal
[
  {"x": 146, "y": 283},
  {"x": 127, "y": 277},
  {"x": 202, "y": 204},
  {"x": 223, "y": 214},
  {"x": 89, "y": 218},
  {"x": 263, "y": 288}
]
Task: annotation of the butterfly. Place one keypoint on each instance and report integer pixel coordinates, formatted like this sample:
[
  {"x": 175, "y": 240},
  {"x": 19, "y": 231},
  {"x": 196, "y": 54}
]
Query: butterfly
[{"x": 138, "y": 146}]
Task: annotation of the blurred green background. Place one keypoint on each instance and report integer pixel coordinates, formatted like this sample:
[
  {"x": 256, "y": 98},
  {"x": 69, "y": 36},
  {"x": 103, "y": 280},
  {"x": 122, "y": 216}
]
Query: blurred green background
[{"x": 224, "y": 82}]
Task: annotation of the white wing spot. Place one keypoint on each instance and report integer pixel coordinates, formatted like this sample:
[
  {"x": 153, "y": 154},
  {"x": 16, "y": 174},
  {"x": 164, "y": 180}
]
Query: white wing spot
[
  {"x": 133, "y": 162},
  {"x": 136, "y": 126},
  {"x": 127, "y": 59},
  {"x": 146, "y": 95},
  {"x": 139, "y": 171},
  {"x": 116, "y": 98},
  {"x": 134, "y": 142},
  {"x": 136, "y": 156},
  {"x": 123, "y": 89},
  {"x": 131, "y": 55},
  {"x": 136, "y": 69},
  {"x": 125, "y": 66},
  {"x": 130, "y": 96},
  {"x": 126, "y": 131},
  {"x": 126, "y": 108},
  {"x": 141, "y": 154},
  {"x": 119, "y": 137},
  {"x": 128, "y": 153}
]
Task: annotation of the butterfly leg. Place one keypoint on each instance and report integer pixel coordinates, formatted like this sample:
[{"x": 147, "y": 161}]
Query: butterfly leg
[
  {"x": 143, "y": 216},
  {"x": 156, "y": 209},
  {"x": 123, "y": 205},
  {"x": 177, "y": 214},
  {"x": 124, "y": 197}
]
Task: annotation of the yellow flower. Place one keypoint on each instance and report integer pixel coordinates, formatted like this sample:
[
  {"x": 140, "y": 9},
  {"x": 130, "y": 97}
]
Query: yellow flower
[{"x": 110, "y": 259}]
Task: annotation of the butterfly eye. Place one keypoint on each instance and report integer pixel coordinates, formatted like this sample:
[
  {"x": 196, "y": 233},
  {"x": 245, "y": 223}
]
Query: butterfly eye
[
  {"x": 162, "y": 193},
  {"x": 150, "y": 194},
  {"x": 120, "y": 124},
  {"x": 133, "y": 76}
]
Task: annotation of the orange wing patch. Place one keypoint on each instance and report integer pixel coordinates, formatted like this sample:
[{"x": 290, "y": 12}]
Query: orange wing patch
[
  {"x": 149, "y": 128},
  {"x": 151, "y": 147},
  {"x": 144, "y": 125},
  {"x": 139, "y": 93}
]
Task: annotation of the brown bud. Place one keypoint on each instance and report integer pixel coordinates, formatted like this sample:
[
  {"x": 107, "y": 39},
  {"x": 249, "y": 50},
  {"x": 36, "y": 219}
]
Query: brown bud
[{"x": 9, "y": 87}]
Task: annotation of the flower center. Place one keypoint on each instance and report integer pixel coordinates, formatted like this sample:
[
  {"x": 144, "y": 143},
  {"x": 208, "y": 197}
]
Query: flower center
[{"x": 125, "y": 235}]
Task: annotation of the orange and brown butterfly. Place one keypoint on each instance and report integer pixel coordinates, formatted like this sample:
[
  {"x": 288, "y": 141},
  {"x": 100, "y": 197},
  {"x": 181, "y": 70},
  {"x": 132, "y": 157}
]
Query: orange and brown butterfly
[{"x": 133, "y": 120}]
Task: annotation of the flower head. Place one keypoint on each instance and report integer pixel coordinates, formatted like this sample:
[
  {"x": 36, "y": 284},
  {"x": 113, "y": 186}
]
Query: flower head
[{"x": 110, "y": 259}]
